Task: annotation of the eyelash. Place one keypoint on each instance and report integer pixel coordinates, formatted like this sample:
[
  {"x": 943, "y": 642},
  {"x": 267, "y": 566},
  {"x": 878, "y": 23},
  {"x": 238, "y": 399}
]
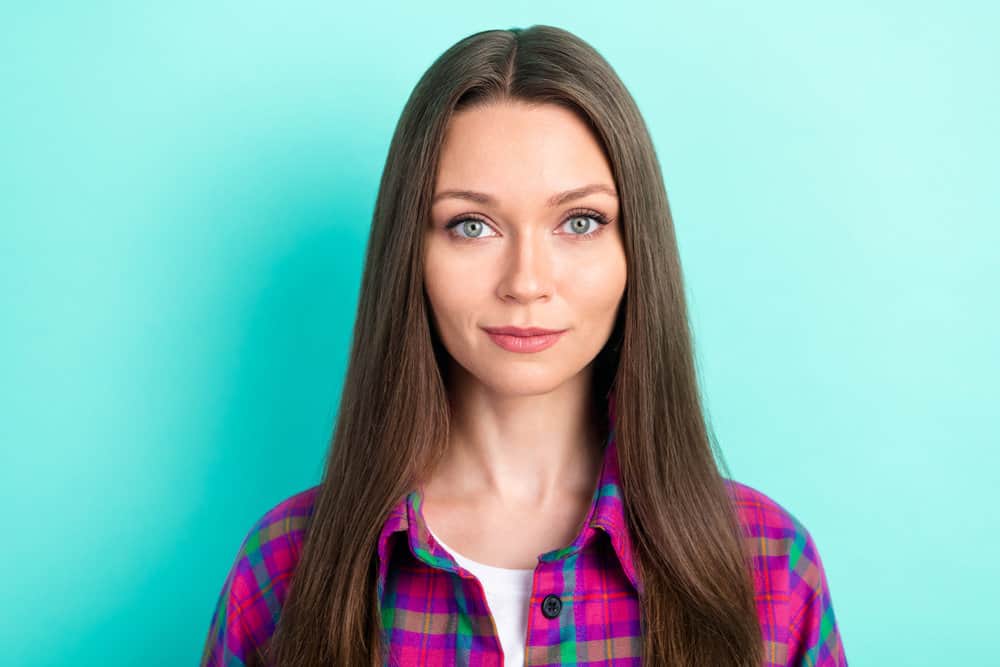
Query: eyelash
[{"x": 601, "y": 220}]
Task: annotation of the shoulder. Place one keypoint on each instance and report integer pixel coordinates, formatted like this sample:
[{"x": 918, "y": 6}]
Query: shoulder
[
  {"x": 793, "y": 596},
  {"x": 271, "y": 547},
  {"x": 256, "y": 585},
  {"x": 775, "y": 537},
  {"x": 286, "y": 520},
  {"x": 761, "y": 516}
]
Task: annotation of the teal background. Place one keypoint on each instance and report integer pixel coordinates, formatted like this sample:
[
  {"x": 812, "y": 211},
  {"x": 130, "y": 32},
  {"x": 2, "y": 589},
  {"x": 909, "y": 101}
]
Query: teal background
[{"x": 186, "y": 196}]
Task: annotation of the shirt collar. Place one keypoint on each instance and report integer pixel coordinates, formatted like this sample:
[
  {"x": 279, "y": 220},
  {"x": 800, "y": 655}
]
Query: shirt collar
[{"x": 606, "y": 513}]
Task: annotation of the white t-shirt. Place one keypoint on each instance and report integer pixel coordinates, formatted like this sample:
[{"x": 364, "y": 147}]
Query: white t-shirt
[{"x": 507, "y": 594}]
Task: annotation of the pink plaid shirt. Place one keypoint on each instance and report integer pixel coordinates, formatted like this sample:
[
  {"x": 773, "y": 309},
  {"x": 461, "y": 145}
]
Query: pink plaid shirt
[{"x": 584, "y": 607}]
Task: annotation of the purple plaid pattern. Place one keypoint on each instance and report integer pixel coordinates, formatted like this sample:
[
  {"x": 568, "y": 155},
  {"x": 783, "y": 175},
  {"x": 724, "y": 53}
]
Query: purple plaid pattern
[{"x": 434, "y": 612}]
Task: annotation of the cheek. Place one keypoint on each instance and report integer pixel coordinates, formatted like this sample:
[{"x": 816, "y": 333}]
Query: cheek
[
  {"x": 600, "y": 285},
  {"x": 449, "y": 290}
]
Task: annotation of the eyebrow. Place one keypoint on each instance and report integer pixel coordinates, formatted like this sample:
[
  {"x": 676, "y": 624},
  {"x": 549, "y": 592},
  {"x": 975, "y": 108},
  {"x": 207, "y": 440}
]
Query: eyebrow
[{"x": 555, "y": 200}]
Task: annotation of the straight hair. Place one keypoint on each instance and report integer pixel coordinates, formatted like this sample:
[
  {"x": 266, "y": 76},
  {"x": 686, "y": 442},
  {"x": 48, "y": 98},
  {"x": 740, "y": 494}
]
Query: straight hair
[{"x": 698, "y": 607}]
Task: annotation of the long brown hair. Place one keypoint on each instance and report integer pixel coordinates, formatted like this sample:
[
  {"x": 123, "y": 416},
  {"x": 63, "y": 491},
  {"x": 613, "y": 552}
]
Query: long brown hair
[{"x": 393, "y": 424}]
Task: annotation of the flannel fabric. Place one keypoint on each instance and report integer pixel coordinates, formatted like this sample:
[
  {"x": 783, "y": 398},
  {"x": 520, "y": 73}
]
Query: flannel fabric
[{"x": 434, "y": 612}]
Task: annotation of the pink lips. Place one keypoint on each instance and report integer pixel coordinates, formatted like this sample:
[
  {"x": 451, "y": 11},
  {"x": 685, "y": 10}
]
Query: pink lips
[{"x": 528, "y": 339}]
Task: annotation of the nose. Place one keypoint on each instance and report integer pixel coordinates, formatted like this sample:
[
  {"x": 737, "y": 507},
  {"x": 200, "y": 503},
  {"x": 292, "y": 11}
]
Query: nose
[{"x": 528, "y": 268}]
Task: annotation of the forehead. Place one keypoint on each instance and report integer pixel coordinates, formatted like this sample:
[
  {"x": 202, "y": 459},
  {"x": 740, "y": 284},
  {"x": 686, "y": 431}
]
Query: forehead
[{"x": 513, "y": 147}]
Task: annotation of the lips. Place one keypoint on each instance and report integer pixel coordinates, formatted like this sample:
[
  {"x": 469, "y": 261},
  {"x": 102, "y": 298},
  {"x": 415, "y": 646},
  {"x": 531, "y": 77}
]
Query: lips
[
  {"x": 522, "y": 331},
  {"x": 524, "y": 339}
]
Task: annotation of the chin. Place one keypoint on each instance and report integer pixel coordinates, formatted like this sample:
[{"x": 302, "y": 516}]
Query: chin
[{"x": 515, "y": 381}]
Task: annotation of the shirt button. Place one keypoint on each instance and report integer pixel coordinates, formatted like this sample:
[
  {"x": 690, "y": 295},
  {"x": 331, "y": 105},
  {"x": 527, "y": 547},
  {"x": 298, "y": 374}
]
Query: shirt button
[{"x": 551, "y": 606}]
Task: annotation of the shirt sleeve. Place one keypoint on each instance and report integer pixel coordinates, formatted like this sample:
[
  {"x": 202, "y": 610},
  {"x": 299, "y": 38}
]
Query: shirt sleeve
[
  {"x": 813, "y": 637},
  {"x": 230, "y": 641}
]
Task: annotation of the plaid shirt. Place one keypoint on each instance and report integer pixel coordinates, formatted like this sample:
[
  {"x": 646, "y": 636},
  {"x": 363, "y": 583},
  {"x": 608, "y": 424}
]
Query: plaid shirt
[{"x": 434, "y": 612}]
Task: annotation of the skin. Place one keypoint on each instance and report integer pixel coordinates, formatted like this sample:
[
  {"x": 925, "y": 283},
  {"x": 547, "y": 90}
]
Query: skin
[{"x": 523, "y": 458}]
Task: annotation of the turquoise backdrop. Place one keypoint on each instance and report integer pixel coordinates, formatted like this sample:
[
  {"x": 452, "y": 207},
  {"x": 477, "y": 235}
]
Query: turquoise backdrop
[{"x": 186, "y": 195}]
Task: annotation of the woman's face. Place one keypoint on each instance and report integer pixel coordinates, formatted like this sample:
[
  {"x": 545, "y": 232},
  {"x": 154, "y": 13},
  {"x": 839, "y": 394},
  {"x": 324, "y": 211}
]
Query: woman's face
[{"x": 505, "y": 248}]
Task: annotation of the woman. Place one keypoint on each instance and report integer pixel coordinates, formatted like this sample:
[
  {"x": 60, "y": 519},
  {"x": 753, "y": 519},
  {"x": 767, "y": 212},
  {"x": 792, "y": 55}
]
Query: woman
[{"x": 496, "y": 494}]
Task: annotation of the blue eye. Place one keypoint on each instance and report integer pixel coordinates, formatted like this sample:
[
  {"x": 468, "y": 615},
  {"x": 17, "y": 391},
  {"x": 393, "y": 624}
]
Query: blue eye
[
  {"x": 475, "y": 228},
  {"x": 586, "y": 227}
]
